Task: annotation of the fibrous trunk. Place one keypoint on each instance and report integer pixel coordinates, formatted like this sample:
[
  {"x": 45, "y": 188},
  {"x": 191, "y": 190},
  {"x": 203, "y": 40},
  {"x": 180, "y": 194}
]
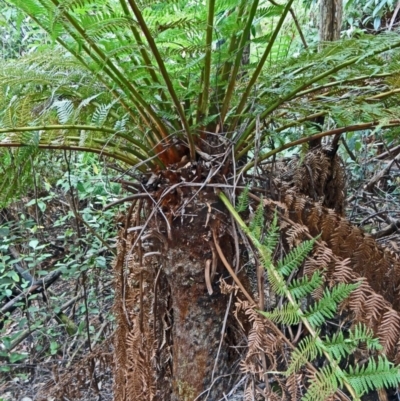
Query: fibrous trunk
[{"x": 169, "y": 334}]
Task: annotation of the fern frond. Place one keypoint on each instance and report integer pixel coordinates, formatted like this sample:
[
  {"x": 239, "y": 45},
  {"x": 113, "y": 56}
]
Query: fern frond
[
  {"x": 326, "y": 307},
  {"x": 304, "y": 286},
  {"x": 288, "y": 314},
  {"x": 295, "y": 257},
  {"x": 340, "y": 347},
  {"x": 243, "y": 200},
  {"x": 374, "y": 375},
  {"x": 271, "y": 237},
  {"x": 256, "y": 225},
  {"x": 324, "y": 384},
  {"x": 306, "y": 351},
  {"x": 363, "y": 334}
]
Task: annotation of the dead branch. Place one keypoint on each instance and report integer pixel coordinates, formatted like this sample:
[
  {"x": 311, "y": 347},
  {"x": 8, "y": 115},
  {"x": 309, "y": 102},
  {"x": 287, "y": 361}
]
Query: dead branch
[{"x": 36, "y": 287}]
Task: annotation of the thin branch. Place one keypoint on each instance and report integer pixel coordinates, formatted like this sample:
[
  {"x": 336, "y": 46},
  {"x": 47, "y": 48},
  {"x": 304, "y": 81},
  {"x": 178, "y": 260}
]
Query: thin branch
[
  {"x": 116, "y": 155},
  {"x": 37, "y": 286},
  {"x": 230, "y": 270},
  {"x": 127, "y": 199}
]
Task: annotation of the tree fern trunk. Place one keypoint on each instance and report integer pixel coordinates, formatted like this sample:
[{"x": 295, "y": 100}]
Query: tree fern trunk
[
  {"x": 197, "y": 317},
  {"x": 169, "y": 326}
]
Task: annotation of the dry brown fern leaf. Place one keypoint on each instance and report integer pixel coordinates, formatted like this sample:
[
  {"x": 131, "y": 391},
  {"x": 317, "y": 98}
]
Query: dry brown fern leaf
[
  {"x": 135, "y": 339},
  {"x": 262, "y": 341},
  {"x": 346, "y": 254},
  {"x": 320, "y": 176}
]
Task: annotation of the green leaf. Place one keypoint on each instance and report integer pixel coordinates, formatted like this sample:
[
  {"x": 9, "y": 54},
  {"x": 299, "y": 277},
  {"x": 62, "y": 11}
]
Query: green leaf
[{"x": 33, "y": 243}]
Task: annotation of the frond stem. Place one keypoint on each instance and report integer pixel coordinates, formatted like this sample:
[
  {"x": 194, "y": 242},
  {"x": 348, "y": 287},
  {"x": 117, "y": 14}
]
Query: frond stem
[
  {"x": 257, "y": 71},
  {"x": 350, "y": 128},
  {"x": 207, "y": 60},
  {"x": 116, "y": 155},
  {"x": 317, "y": 78},
  {"x": 164, "y": 73},
  {"x": 232, "y": 81}
]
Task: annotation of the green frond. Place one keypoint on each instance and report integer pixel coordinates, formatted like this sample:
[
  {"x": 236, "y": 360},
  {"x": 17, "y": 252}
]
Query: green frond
[
  {"x": 17, "y": 169},
  {"x": 271, "y": 237},
  {"x": 324, "y": 384},
  {"x": 295, "y": 257},
  {"x": 340, "y": 346},
  {"x": 306, "y": 351},
  {"x": 326, "y": 307},
  {"x": 363, "y": 334},
  {"x": 256, "y": 225},
  {"x": 374, "y": 375},
  {"x": 304, "y": 286},
  {"x": 288, "y": 314},
  {"x": 100, "y": 114},
  {"x": 65, "y": 109},
  {"x": 243, "y": 200}
]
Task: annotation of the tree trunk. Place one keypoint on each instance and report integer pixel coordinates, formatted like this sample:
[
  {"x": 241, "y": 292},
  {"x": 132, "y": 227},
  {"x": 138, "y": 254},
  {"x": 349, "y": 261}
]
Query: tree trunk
[
  {"x": 169, "y": 326},
  {"x": 330, "y": 23},
  {"x": 197, "y": 316}
]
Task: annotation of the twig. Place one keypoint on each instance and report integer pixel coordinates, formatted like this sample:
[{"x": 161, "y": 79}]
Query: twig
[
  {"x": 127, "y": 199},
  {"x": 230, "y": 270},
  {"x": 37, "y": 286},
  {"x": 28, "y": 332}
]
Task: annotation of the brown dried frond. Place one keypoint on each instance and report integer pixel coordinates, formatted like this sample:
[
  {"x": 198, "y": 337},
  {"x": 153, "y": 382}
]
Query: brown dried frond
[
  {"x": 135, "y": 344},
  {"x": 314, "y": 218},
  {"x": 260, "y": 340},
  {"x": 249, "y": 391},
  {"x": 319, "y": 260},
  {"x": 294, "y": 386},
  {"x": 346, "y": 254},
  {"x": 296, "y": 234},
  {"x": 272, "y": 205},
  {"x": 228, "y": 288},
  {"x": 140, "y": 383},
  {"x": 272, "y": 396},
  {"x": 321, "y": 177},
  {"x": 367, "y": 258},
  {"x": 388, "y": 331},
  {"x": 328, "y": 225},
  {"x": 341, "y": 272}
]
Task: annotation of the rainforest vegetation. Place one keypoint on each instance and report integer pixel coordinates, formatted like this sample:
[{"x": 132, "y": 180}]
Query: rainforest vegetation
[{"x": 199, "y": 200}]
